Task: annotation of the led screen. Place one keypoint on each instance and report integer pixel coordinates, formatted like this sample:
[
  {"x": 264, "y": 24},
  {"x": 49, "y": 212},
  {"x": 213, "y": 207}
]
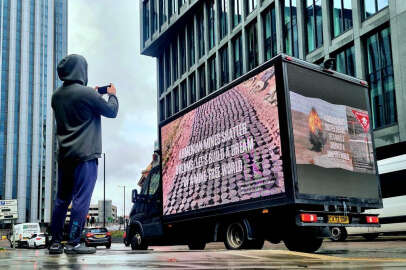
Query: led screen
[
  {"x": 226, "y": 150},
  {"x": 331, "y": 135}
]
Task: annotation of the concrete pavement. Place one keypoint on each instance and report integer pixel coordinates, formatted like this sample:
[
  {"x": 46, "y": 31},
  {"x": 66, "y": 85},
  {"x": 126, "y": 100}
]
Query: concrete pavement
[{"x": 355, "y": 254}]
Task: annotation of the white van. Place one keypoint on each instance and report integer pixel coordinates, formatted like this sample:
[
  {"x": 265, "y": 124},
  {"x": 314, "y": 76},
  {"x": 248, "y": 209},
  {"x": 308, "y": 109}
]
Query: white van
[
  {"x": 23, "y": 232},
  {"x": 392, "y": 216}
]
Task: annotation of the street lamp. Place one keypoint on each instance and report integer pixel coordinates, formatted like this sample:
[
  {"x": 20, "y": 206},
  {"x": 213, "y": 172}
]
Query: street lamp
[
  {"x": 104, "y": 190},
  {"x": 123, "y": 186}
]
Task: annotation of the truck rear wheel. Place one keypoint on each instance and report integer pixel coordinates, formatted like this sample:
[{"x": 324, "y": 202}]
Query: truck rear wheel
[
  {"x": 197, "y": 245},
  {"x": 303, "y": 241},
  {"x": 255, "y": 244},
  {"x": 235, "y": 236}
]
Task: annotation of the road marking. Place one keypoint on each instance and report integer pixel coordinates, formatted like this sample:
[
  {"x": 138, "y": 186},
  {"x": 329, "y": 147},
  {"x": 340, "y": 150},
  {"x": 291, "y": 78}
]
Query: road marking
[{"x": 317, "y": 256}]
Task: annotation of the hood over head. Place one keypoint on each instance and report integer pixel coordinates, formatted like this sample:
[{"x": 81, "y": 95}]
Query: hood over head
[{"x": 73, "y": 68}]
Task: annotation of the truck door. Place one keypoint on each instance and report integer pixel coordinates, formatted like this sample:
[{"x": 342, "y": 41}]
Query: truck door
[
  {"x": 153, "y": 225},
  {"x": 140, "y": 203}
]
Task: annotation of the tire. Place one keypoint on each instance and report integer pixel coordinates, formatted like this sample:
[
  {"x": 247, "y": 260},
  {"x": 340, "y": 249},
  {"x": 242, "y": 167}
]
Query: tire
[
  {"x": 197, "y": 245},
  {"x": 108, "y": 246},
  {"x": 255, "y": 244},
  {"x": 338, "y": 234},
  {"x": 302, "y": 241},
  {"x": 371, "y": 236},
  {"x": 235, "y": 236},
  {"x": 137, "y": 243}
]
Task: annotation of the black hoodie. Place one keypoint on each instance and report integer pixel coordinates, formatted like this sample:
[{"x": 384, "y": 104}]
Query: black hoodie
[{"x": 77, "y": 111}]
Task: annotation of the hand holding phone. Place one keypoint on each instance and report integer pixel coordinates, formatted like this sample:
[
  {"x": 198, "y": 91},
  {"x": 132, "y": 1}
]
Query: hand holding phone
[{"x": 103, "y": 89}]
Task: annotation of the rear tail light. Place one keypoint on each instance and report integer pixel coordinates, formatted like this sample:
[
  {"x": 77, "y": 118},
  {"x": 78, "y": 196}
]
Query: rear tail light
[
  {"x": 364, "y": 83},
  {"x": 89, "y": 234},
  {"x": 108, "y": 233},
  {"x": 38, "y": 238},
  {"x": 288, "y": 58},
  {"x": 372, "y": 219},
  {"x": 125, "y": 235},
  {"x": 308, "y": 217}
]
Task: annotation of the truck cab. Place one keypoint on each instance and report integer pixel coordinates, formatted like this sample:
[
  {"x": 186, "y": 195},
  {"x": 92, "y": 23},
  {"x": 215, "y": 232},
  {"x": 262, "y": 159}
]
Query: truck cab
[{"x": 145, "y": 215}]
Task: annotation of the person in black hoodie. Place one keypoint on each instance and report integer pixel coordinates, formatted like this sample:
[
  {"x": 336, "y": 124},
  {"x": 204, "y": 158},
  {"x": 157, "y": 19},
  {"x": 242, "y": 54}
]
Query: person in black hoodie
[{"x": 78, "y": 110}]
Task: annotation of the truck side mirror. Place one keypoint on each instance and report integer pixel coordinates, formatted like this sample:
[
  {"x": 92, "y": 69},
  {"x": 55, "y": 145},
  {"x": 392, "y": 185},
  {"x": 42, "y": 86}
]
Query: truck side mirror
[{"x": 134, "y": 195}]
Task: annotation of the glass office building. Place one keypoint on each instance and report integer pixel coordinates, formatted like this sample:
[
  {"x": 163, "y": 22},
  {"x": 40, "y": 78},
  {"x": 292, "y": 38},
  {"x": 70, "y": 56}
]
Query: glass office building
[
  {"x": 227, "y": 38},
  {"x": 33, "y": 36}
]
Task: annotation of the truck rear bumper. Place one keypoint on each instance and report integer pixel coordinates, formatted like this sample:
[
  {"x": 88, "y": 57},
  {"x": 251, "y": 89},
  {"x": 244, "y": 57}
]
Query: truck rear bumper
[{"x": 335, "y": 219}]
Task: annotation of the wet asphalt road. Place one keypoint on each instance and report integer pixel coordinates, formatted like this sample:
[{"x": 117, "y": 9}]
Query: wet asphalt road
[{"x": 386, "y": 253}]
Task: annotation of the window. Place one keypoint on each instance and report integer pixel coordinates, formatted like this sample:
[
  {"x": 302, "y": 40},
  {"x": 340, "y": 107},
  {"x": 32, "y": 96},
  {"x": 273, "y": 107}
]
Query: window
[
  {"x": 176, "y": 100},
  {"x": 269, "y": 33},
  {"x": 154, "y": 8},
  {"x": 223, "y": 18},
  {"x": 192, "y": 87},
  {"x": 252, "y": 46},
  {"x": 290, "y": 28},
  {"x": 314, "y": 24},
  {"x": 250, "y": 5},
  {"x": 167, "y": 68},
  {"x": 154, "y": 183},
  {"x": 180, "y": 3},
  {"x": 161, "y": 77},
  {"x": 380, "y": 77},
  {"x": 212, "y": 74},
  {"x": 200, "y": 33},
  {"x": 211, "y": 24},
  {"x": 175, "y": 60},
  {"x": 202, "y": 82},
  {"x": 191, "y": 44},
  {"x": 370, "y": 7},
  {"x": 345, "y": 60},
  {"x": 168, "y": 106},
  {"x": 224, "y": 65},
  {"x": 237, "y": 57},
  {"x": 170, "y": 8},
  {"x": 162, "y": 12},
  {"x": 183, "y": 93},
  {"x": 342, "y": 16},
  {"x": 182, "y": 45},
  {"x": 237, "y": 12},
  {"x": 162, "y": 109},
  {"x": 146, "y": 20}
]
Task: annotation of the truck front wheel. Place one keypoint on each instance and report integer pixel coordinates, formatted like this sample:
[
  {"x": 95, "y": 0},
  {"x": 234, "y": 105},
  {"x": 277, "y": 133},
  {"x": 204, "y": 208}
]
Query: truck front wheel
[
  {"x": 303, "y": 242},
  {"x": 137, "y": 242}
]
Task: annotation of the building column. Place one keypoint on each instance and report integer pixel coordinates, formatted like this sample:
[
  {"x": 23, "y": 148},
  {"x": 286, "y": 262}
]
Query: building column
[
  {"x": 360, "y": 62},
  {"x": 397, "y": 9},
  {"x": 279, "y": 6},
  {"x": 301, "y": 29}
]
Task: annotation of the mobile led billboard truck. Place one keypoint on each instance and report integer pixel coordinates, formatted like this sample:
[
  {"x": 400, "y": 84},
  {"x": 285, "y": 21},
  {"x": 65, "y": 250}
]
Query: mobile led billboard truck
[{"x": 281, "y": 154}]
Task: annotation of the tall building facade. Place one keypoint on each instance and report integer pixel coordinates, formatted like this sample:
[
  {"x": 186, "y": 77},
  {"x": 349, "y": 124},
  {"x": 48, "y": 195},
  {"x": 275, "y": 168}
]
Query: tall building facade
[
  {"x": 33, "y": 38},
  {"x": 202, "y": 45}
]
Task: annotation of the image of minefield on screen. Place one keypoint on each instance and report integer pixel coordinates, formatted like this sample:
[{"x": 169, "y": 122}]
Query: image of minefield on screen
[
  {"x": 225, "y": 150},
  {"x": 330, "y": 135}
]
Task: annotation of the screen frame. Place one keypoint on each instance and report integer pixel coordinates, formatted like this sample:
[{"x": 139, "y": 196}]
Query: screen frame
[
  {"x": 314, "y": 198},
  {"x": 250, "y": 204}
]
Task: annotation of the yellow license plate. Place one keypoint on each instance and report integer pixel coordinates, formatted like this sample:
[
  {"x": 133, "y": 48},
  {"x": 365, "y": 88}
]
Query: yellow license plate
[
  {"x": 99, "y": 236},
  {"x": 338, "y": 219}
]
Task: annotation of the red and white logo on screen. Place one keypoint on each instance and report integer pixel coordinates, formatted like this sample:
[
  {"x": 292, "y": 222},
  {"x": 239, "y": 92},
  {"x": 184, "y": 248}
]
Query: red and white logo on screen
[{"x": 363, "y": 119}]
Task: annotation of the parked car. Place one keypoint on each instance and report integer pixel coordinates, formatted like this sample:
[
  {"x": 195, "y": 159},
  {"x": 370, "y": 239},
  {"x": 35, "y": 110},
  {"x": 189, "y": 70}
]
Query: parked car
[
  {"x": 22, "y": 233},
  {"x": 96, "y": 237},
  {"x": 38, "y": 241}
]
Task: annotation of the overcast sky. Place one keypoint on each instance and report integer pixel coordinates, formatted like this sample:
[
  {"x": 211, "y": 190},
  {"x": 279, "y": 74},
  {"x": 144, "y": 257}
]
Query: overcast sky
[{"x": 106, "y": 33}]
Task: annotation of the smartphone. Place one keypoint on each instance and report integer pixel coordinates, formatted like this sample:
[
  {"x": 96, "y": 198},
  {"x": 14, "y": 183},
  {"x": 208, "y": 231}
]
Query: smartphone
[{"x": 103, "y": 89}]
